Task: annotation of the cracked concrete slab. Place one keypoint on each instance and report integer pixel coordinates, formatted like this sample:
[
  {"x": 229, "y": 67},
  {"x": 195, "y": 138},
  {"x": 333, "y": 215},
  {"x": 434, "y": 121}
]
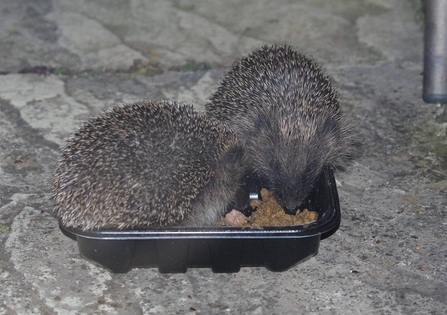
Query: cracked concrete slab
[{"x": 62, "y": 62}]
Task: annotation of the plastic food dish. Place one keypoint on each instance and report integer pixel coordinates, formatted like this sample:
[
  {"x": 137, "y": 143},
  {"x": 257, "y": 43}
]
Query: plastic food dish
[{"x": 222, "y": 248}]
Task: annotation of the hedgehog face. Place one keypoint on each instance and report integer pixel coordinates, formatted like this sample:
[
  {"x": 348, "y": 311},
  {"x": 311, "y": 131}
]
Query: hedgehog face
[
  {"x": 289, "y": 154},
  {"x": 290, "y": 179}
]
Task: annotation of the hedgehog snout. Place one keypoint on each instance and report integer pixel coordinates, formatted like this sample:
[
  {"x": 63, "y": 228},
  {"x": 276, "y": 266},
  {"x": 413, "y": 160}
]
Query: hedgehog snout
[
  {"x": 291, "y": 207},
  {"x": 291, "y": 202},
  {"x": 292, "y": 191}
]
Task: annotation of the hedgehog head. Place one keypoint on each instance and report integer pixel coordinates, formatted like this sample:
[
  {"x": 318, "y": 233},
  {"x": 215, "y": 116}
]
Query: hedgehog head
[{"x": 290, "y": 151}]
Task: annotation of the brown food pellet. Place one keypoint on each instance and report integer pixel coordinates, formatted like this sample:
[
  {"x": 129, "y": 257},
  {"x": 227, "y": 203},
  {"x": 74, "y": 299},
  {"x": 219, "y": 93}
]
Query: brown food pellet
[{"x": 270, "y": 213}]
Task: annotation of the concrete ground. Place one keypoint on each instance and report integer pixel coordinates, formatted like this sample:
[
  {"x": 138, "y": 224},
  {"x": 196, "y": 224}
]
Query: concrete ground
[{"x": 64, "y": 61}]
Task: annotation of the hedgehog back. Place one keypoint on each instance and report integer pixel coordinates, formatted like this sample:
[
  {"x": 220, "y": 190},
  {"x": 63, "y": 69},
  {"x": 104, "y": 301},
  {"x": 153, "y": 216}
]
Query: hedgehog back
[
  {"x": 275, "y": 76},
  {"x": 141, "y": 164}
]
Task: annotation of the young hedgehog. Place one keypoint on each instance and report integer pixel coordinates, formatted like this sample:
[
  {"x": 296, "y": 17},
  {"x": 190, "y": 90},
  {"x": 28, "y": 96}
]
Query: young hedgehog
[
  {"x": 287, "y": 116},
  {"x": 148, "y": 164}
]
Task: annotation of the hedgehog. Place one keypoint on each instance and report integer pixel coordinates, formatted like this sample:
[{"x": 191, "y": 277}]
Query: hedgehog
[
  {"x": 148, "y": 164},
  {"x": 287, "y": 117}
]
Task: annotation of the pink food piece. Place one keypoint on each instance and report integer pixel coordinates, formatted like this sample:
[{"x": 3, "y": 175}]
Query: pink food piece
[{"x": 235, "y": 218}]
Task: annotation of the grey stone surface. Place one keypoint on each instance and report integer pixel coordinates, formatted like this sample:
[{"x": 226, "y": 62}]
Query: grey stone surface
[{"x": 389, "y": 255}]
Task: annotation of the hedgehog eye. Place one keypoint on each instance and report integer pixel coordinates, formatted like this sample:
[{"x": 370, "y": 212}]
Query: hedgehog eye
[
  {"x": 330, "y": 126},
  {"x": 275, "y": 167},
  {"x": 261, "y": 122},
  {"x": 309, "y": 171}
]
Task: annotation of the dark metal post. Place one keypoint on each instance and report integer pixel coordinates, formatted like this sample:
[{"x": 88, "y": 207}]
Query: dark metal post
[{"x": 435, "y": 52}]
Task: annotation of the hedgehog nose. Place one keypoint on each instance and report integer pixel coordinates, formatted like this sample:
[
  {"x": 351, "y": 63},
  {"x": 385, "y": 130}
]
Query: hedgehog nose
[{"x": 290, "y": 208}]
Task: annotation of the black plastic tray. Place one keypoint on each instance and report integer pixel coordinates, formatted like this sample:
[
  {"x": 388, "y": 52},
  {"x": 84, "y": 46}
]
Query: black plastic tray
[{"x": 224, "y": 249}]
